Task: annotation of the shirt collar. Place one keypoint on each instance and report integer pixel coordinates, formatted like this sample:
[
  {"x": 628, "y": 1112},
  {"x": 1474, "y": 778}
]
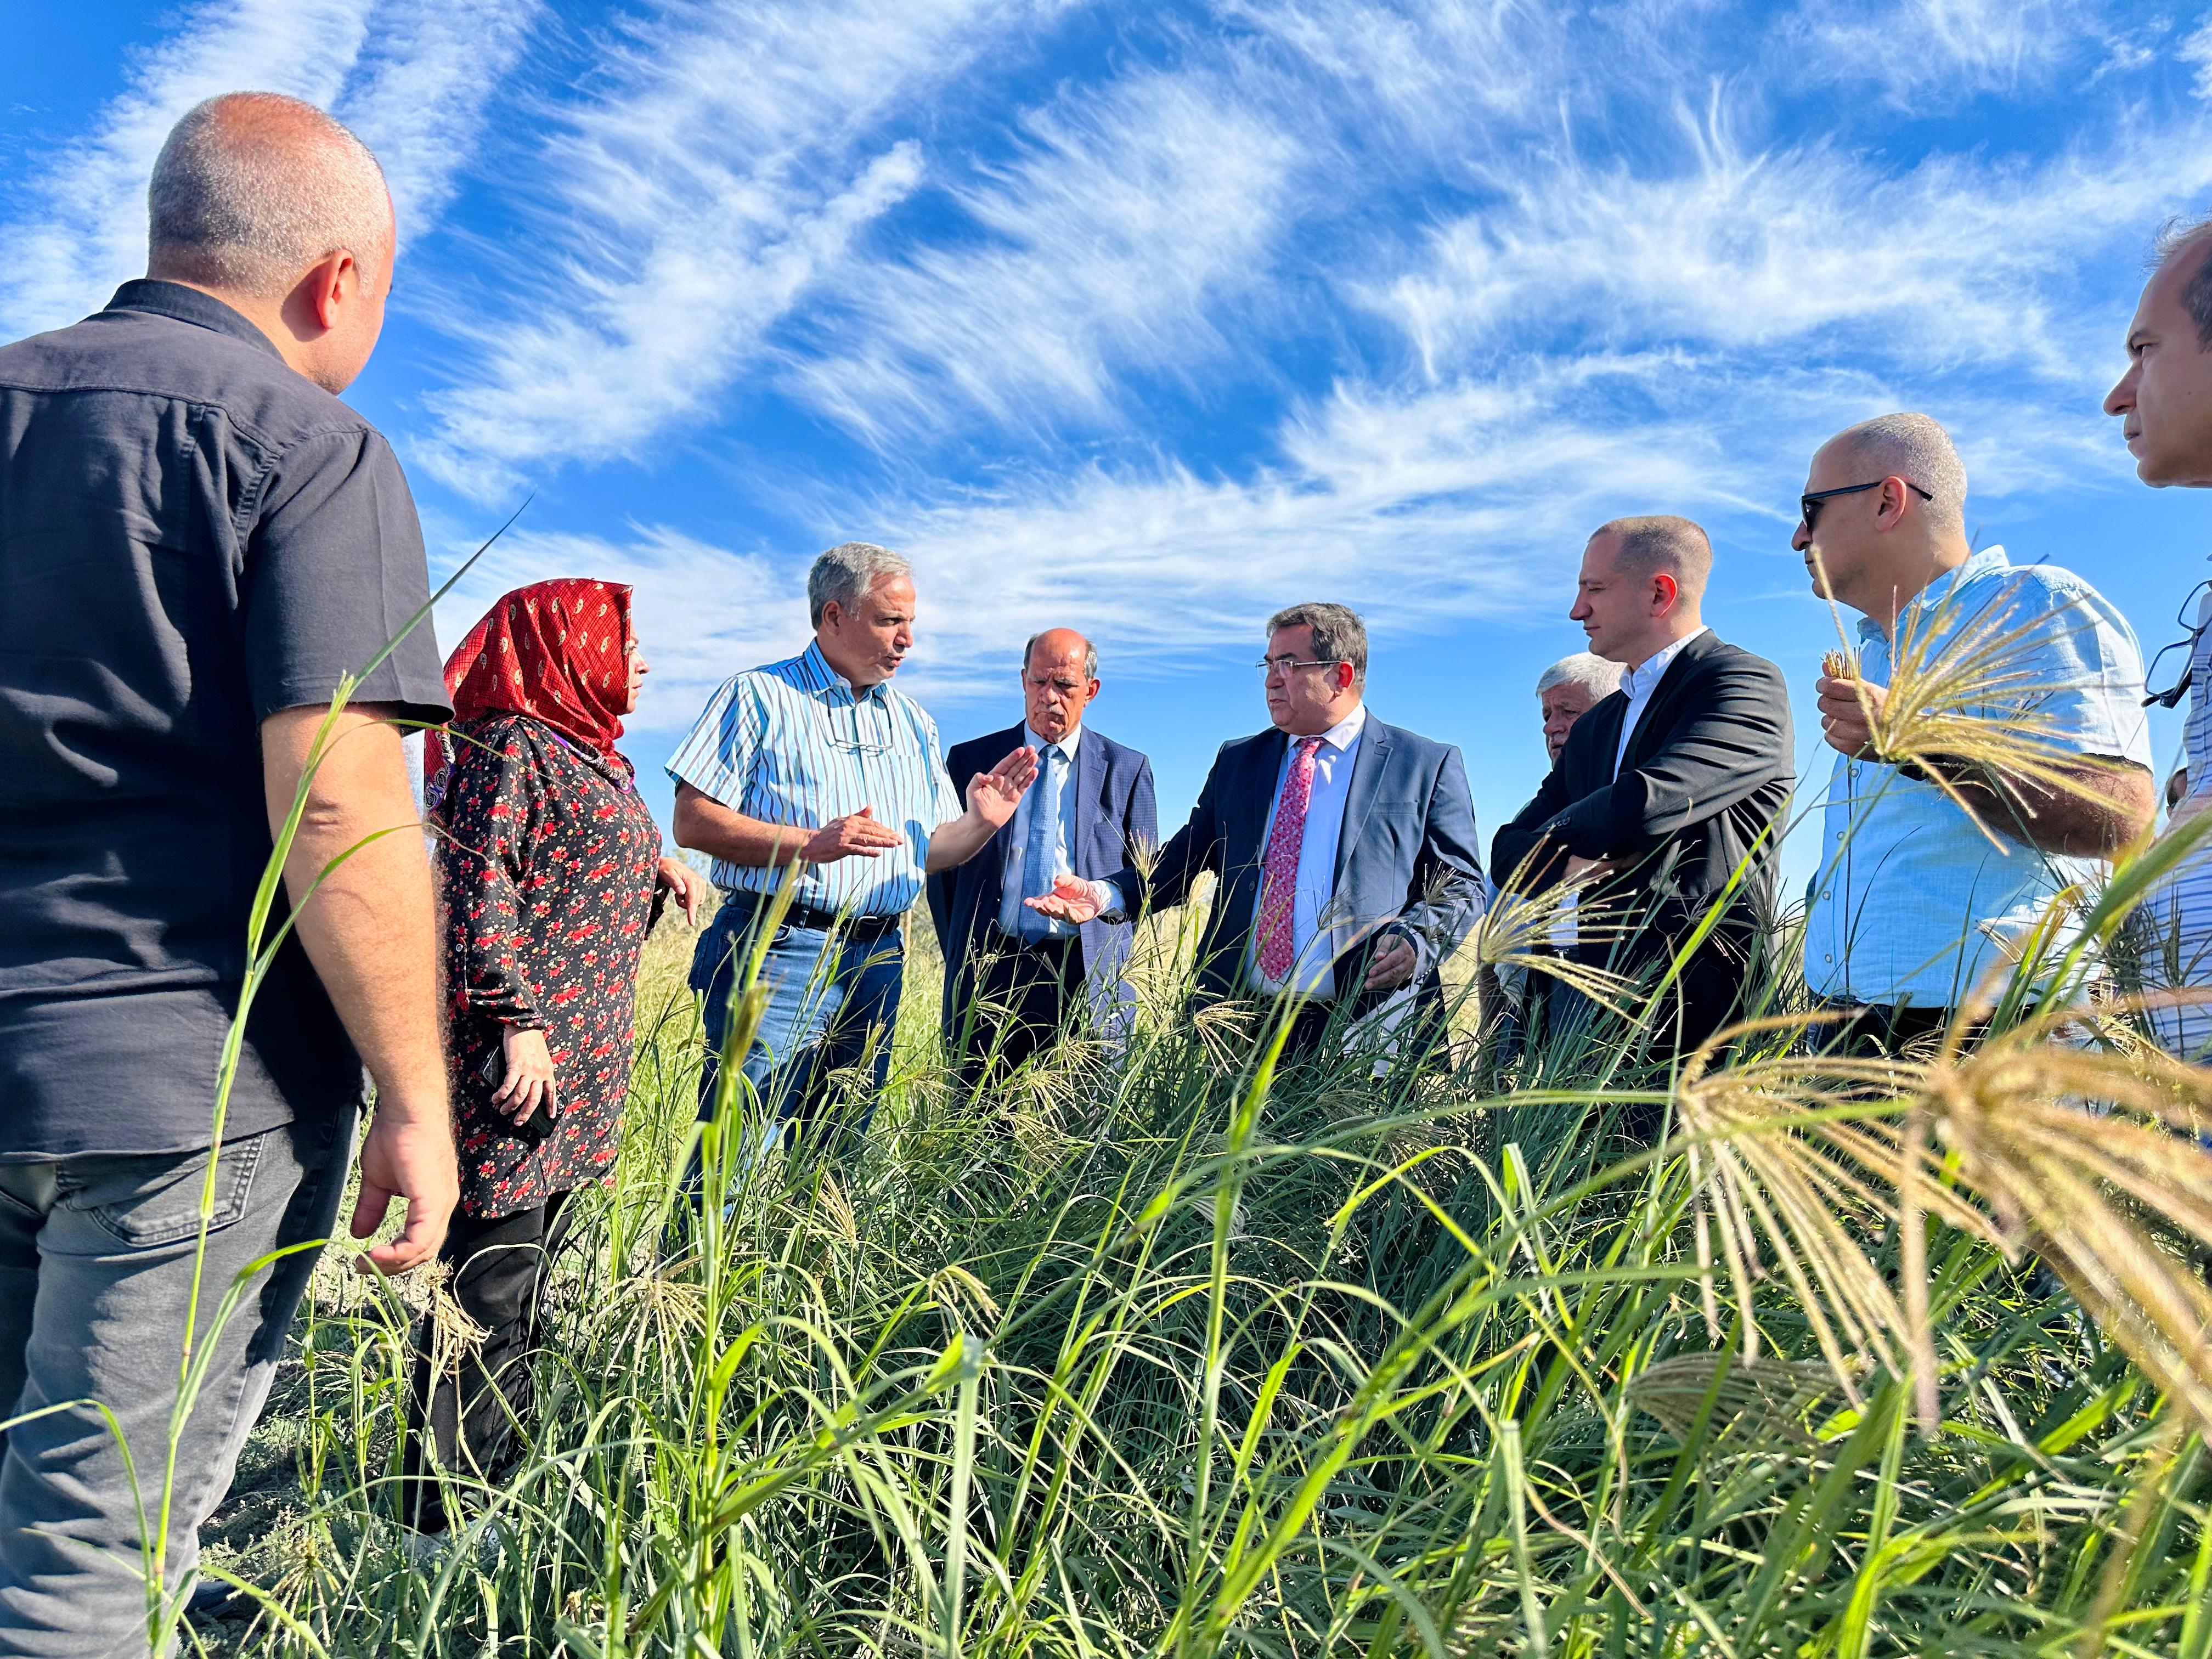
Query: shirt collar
[
  {"x": 1067, "y": 745},
  {"x": 1975, "y": 566},
  {"x": 190, "y": 305},
  {"x": 829, "y": 682},
  {"x": 1642, "y": 679},
  {"x": 1342, "y": 735}
]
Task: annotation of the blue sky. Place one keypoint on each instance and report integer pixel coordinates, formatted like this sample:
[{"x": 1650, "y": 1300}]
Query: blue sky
[{"x": 1149, "y": 319}]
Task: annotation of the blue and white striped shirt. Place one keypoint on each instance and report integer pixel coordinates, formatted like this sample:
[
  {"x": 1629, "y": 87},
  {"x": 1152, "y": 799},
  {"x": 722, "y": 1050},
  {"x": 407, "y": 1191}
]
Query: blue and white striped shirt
[{"x": 792, "y": 743}]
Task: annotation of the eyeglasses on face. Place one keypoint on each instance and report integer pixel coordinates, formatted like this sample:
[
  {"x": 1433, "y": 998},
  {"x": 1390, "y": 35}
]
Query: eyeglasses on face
[
  {"x": 1287, "y": 664},
  {"x": 2177, "y": 658},
  {"x": 1808, "y": 507}
]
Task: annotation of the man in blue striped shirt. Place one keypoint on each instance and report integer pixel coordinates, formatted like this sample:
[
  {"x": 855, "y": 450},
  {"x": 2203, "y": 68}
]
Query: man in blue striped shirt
[
  {"x": 818, "y": 759},
  {"x": 2164, "y": 401}
]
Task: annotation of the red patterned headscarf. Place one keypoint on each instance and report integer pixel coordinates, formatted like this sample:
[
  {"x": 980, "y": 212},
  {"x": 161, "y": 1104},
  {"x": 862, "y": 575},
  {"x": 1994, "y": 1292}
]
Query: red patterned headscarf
[{"x": 558, "y": 652}]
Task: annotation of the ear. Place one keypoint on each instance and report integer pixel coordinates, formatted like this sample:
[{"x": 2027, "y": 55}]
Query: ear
[
  {"x": 1665, "y": 590},
  {"x": 1344, "y": 676},
  {"x": 333, "y": 280},
  {"x": 1895, "y": 497}
]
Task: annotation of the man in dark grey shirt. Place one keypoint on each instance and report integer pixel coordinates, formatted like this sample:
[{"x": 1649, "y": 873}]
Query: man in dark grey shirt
[{"x": 198, "y": 542}]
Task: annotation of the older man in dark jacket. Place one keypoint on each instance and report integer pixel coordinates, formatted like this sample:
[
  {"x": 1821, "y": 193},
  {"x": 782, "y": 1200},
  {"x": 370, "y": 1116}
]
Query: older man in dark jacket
[{"x": 1014, "y": 979}]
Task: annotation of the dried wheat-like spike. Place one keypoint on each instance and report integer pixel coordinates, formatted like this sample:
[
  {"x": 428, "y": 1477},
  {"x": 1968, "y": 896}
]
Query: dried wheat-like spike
[{"x": 1838, "y": 665}]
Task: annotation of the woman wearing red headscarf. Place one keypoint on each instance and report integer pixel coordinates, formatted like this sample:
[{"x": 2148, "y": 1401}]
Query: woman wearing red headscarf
[{"x": 550, "y": 872}]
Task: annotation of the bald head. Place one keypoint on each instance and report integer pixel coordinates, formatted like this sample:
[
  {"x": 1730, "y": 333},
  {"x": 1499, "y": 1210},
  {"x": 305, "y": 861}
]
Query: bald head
[
  {"x": 1660, "y": 544},
  {"x": 1059, "y": 676},
  {"x": 252, "y": 189},
  {"x": 1914, "y": 448}
]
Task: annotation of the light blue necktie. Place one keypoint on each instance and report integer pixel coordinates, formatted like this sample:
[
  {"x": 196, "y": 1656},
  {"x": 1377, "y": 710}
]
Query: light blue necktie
[{"x": 1036, "y": 857}]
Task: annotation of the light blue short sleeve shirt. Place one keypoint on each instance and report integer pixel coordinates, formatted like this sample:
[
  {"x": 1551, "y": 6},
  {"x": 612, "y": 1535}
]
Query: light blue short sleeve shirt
[
  {"x": 792, "y": 743},
  {"x": 1911, "y": 903}
]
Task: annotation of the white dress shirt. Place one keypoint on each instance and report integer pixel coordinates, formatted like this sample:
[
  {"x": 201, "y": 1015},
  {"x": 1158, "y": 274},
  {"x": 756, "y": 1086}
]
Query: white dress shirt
[
  {"x": 1640, "y": 682},
  {"x": 1035, "y": 799},
  {"x": 1317, "y": 878}
]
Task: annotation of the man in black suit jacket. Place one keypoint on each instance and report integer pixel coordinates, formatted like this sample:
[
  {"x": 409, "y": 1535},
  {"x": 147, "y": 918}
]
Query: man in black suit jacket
[
  {"x": 1013, "y": 978},
  {"x": 1346, "y": 849},
  {"x": 1668, "y": 786}
]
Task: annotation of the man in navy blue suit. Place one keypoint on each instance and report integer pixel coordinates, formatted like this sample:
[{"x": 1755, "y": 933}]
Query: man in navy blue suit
[
  {"x": 1014, "y": 978},
  {"x": 1346, "y": 849}
]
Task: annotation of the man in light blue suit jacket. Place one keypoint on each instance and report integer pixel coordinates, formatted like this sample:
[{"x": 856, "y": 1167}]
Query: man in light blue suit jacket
[
  {"x": 1347, "y": 851},
  {"x": 1013, "y": 977}
]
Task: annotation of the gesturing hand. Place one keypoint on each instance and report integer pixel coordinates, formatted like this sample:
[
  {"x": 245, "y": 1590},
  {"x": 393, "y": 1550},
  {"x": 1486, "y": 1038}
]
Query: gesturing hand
[
  {"x": 1843, "y": 721},
  {"x": 1070, "y": 900},
  {"x": 530, "y": 1082},
  {"x": 855, "y": 835},
  {"x": 1391, "y": 965},
  {"x": 993, "y": 795}
]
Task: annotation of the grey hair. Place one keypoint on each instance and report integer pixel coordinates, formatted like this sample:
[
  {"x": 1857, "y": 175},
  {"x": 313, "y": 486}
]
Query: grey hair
[
  {"x": 1339, "y": 636},
  {"x": 252, "y": 188},
  {"x": 1914, "y": 448},
  {"x": 847, "y": 573},
  {"x": 1090, "y": 652},
  {"x": 1599, "y": 675},
  {"x": 2178, "y": 236}
]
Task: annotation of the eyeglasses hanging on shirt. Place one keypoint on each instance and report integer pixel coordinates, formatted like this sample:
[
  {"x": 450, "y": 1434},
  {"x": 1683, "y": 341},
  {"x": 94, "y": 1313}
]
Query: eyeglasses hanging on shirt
[
  {"x": 860, "y": 743},
  {"x": 2186, "y": 647}
]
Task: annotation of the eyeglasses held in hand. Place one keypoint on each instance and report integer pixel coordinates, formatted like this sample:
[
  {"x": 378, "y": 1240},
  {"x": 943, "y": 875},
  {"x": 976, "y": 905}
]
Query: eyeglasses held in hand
[
  {"x": 2167, "y": 662},
  {"x": 1808, "y": 507},
  {"x": 1288, "y": 663}
]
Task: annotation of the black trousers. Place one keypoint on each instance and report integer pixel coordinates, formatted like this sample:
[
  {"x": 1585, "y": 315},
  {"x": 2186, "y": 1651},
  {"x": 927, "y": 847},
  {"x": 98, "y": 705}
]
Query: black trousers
[
  {"x": 1871, "y": 1030},
  {"x": 1023, "y": 998},
  {"x": 468, "y": 1407}
]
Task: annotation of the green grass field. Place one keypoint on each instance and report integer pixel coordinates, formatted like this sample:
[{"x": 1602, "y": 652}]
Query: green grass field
[{"x": 1137, "y": 1360}]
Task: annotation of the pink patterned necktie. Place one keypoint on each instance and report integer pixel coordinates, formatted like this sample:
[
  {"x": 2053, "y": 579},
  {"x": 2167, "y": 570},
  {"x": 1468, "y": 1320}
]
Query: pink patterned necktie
[{"x": 1279, "y": 882}]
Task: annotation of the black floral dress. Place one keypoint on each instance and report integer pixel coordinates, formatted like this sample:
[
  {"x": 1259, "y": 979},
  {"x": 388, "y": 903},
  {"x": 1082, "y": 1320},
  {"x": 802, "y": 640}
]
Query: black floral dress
[{"x": 547, "y": 872}]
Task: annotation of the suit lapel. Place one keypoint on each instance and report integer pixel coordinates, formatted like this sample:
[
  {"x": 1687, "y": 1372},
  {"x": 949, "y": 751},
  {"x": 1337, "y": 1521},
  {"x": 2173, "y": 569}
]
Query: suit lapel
[
  {"x": 1658, "y": 712},
  {"x": 1084, "y": 792},
  {"x": 1359, "y": 795},
  {"x": 1605, "y": 722}
]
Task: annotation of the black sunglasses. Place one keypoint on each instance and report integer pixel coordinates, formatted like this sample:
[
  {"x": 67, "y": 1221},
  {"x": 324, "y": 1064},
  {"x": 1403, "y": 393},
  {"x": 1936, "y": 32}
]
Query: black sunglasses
[
  {"x": 2186, "y": 646},
  {"x": 1808, "y": 507}
]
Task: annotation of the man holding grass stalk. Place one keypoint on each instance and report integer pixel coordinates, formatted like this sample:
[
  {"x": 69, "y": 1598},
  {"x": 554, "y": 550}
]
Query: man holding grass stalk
[
  {"x": 197, "y": 542},
  {"x": 1938, "y": 863}
]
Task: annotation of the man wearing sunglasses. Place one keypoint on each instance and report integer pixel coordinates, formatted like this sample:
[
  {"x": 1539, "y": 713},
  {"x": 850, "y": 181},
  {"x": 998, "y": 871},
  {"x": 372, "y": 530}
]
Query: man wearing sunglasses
[
  {"x": 1914, "y": 906},
  {"x": 1344, "y": 850},
  {"x": 2164, "y": 401}
]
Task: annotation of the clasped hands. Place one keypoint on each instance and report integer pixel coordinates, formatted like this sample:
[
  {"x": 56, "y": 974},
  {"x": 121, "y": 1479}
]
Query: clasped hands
[
  {"x": 1076, "y": 901},
  {"x": 992, "y": 798}
]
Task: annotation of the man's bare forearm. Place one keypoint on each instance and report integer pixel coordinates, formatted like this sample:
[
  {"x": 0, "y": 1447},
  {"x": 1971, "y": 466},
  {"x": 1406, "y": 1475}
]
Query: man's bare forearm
[
  {"x": 705, "y": 825},
  {"x": 956, "y": 842},
  {"x": 2113, "y": 805},
  {"x": 369, "y": 928}
]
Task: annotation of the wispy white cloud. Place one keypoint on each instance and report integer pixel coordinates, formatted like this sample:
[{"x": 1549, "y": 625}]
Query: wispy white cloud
[
  {"x": 85, "y": 229},
  {"x": 733, "y": 160},
  {"x": 1912, "y": 49},
  {"x": 1106, "y": 246},
  {"x": 418, "y": 94},
  {"x": 1957, "y": 262}
]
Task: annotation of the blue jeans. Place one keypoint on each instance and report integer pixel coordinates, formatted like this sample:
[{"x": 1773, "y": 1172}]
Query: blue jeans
[
  {"x": 827, "y": 1008},
  {"x": 95, "y": 1274}
]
